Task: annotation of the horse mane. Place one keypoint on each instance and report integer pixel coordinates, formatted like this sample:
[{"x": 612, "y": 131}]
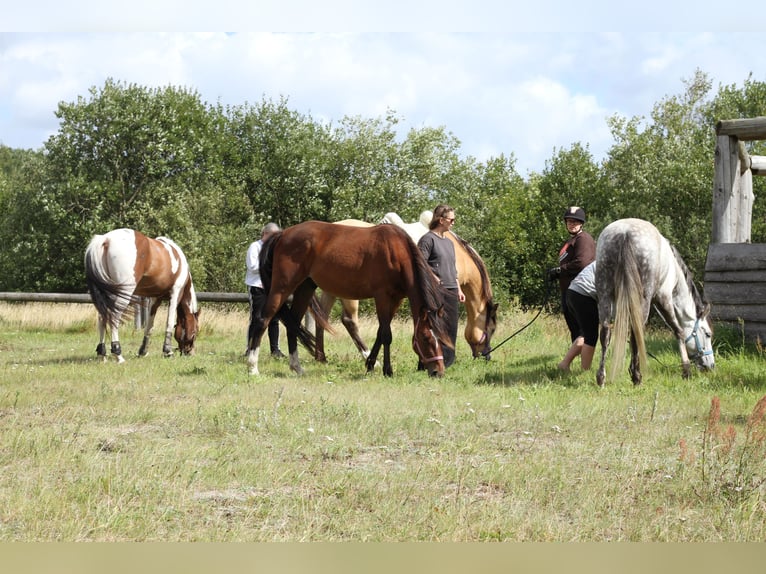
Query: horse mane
[
  {"x": 699, "y": 304},
  {"x": 486, "y": 287}
]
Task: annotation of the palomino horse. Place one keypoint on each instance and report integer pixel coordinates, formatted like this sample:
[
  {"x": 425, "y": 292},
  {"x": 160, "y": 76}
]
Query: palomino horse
[
  {"x": 637, "y": 267},
  {"x": 124, "y": 265},
  {"x": 481, "y": 311},
  {"x": 378, "y": 262}
]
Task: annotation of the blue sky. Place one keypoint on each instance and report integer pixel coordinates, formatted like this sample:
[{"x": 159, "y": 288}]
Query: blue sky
[{"x": 503, "y": 77}]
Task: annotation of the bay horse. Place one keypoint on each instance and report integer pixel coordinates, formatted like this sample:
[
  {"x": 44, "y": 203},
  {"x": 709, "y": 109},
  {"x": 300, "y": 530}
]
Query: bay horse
[
  {"x": 637, "y": 267},
  {"x": 124, "y": 265},
  {"x": 481, "y": 310},
  {"x": 379, "y": 262}
]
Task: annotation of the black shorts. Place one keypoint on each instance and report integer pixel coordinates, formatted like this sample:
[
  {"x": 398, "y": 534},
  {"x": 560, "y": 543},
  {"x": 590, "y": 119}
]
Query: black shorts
[{"x": 584, "y": 309}]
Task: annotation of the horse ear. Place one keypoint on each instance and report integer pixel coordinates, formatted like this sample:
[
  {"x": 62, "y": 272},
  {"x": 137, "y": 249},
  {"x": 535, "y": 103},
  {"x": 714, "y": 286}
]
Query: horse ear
[{"x": 706, "y": 310}]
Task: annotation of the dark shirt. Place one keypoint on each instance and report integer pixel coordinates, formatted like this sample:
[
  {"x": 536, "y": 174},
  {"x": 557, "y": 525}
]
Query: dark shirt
[
  {"x": 439, "y": 253},
  {"x": 575, "y": 255}
]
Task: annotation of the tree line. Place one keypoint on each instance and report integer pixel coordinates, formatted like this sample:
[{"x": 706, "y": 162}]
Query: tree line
[{"x": 163, "y": 161}]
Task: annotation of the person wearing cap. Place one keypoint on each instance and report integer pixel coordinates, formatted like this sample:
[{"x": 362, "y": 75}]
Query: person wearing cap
[
  {"x": 439, "y": 253},
  {"x": 256, "y": 293},
  {"x": 576, "y": 253}
]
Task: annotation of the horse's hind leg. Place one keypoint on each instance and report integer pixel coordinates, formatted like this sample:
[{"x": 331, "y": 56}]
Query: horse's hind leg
[
  {"x": 635, "y": 365},
  {"x": 350, "y": 319},
  {"x": 604, "y": 337},
  {"x": 326, "y": 301},
  {"x": 101, "y": 347}
]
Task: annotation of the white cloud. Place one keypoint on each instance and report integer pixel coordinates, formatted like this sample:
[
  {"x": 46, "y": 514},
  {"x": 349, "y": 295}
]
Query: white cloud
[{"x": 520, "y": 93}]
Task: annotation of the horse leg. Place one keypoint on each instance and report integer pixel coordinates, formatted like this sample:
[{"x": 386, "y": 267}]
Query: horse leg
[
  {"x": 604, "y": 337},
  {"x": 326, "y": 301},
  {"x": 301, "y": 299},
  {"x": 635, "y": 365},
  {"x": 350, "y": 319},
  {"x": 101, "y": 347},
  {"x": 152, "y": 305},
  {"x": 383, "y": 338},
  {"x": 170, "y": 323}
]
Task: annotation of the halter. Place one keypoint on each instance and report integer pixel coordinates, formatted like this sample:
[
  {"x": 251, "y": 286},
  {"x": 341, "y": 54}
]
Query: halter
[
  {"x": 417, "y": 348},
  {"x": 697, "y": 342}
]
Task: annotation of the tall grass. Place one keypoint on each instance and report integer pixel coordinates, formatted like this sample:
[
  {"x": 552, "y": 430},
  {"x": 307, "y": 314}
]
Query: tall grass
[{"x": 193, "y": 449}]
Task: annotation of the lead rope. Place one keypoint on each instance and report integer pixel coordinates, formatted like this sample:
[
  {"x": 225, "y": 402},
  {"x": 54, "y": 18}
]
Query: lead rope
[{"x": 512, "y": 335}]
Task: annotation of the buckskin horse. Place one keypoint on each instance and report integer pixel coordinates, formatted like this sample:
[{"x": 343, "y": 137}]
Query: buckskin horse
[
  {"x": 122, "y": 266},
  {"x": 637, "y": 267},
  {"x": 380, "y": 262}
]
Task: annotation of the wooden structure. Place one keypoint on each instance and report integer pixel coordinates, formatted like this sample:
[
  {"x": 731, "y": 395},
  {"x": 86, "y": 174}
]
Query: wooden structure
[{"x": 735, "y": 270}]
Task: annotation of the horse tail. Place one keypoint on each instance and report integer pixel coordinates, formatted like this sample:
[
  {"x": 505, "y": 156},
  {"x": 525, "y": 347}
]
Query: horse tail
[
  {"x": 110, "y": 299},
  {"x": 628, "y": 311},
  {"x": 285, "y": 314}
]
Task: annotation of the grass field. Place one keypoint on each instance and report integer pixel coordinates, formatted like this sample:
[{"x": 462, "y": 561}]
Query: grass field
[{"x": 193, "y": 449}]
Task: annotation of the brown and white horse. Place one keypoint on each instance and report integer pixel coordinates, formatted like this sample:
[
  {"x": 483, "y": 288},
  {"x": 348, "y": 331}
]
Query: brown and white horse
[{"x": 122, "y": 266}]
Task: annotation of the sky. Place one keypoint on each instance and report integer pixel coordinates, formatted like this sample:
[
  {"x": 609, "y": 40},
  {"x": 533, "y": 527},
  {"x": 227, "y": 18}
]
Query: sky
[{"x": 511, "y": 78}]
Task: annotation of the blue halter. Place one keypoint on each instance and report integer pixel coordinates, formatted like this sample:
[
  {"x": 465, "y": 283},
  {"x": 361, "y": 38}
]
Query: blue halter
[{"x": 701, "y": 352}]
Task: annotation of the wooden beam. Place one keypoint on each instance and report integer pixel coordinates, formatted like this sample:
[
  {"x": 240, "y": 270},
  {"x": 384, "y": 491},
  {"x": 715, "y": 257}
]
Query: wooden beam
[{"x": 744, "y": 129}]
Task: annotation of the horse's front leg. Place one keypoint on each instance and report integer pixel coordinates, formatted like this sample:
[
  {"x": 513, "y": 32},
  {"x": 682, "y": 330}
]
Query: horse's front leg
[
  {"x": 604, "y": 337},
  {"x": 686, "y": 365},
  {"x": 292, "y": 348},
  {"x": 372, "y": 358},
  {"x": 635, "y": 366},
  {"x": 151, "y": 305}
]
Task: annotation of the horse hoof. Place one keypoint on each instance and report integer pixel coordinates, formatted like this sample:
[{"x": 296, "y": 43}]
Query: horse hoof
[{"x": 120, "y": 359}]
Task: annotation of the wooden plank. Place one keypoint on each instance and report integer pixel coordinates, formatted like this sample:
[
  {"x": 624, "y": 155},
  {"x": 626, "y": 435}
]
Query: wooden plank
[
  {"x": 723, "y": 312},
  {"x": 743, "y": 128},
  {"x": 735, "y": 293},
  {"x": 735, "y": 256},
  {"x": 746, "y": 276}
]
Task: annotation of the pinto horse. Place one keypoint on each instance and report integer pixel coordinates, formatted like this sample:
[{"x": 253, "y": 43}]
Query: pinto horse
[
  {"x": 379, "y": 262},
  {"x": 481, "y": 310},
  {"x": 637, "y": 267},
  {"x": 122, "y": 266}
]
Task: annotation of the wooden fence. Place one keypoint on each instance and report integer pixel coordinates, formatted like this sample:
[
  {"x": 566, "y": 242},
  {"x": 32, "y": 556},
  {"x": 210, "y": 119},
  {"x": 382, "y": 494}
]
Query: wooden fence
[{"x": 202, "y": 296}]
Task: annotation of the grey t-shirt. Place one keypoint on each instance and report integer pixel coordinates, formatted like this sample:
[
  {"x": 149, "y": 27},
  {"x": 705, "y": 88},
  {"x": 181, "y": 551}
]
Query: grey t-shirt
[
  {"x": 585, "y": 282},
  {"x": 439, "y": 253}
]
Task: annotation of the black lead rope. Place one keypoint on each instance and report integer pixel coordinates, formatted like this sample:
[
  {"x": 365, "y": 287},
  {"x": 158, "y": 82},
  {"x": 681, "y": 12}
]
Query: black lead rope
[{"x": 512, "y": 335}]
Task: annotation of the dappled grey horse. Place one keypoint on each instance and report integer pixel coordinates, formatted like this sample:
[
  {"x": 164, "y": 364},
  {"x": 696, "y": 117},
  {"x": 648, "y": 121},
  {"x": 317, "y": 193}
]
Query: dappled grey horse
[{"x": 637, "y": 267}]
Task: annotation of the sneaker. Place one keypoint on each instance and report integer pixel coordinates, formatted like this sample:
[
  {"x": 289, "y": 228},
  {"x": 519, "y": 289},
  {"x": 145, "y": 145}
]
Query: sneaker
[{"x": 277, "y": 354}]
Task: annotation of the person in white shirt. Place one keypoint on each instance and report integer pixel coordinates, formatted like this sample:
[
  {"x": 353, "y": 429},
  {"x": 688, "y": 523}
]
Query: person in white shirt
[{"x": 256, "y": 293}]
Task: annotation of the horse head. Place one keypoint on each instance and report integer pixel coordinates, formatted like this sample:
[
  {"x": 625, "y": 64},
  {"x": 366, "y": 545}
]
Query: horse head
[
  {"x": 699, "y": 341},
  {"x": 426, "y": 344},
  {"x": 187, "y": 320},
  {"x": 481, "y": 346},
  {"x": 186, "y": 331}
]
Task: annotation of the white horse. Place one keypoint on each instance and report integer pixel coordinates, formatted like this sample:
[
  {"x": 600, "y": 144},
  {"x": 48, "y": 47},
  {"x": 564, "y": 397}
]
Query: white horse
[{"x": 637, "y": 267}]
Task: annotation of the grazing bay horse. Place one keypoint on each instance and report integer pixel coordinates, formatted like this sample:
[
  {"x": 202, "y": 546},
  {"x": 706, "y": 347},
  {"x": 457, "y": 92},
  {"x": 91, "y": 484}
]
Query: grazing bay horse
[
  {"x": 481, "y": 310},
  {"x": 379, "y": 262},
  {"x": 637, "y": 267},
  {"x": 124, "y": 265}
]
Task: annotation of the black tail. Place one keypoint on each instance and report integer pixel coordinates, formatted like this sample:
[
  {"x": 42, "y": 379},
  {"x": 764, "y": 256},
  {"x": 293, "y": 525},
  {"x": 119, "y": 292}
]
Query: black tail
[{"x": 285, "y": 314}]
